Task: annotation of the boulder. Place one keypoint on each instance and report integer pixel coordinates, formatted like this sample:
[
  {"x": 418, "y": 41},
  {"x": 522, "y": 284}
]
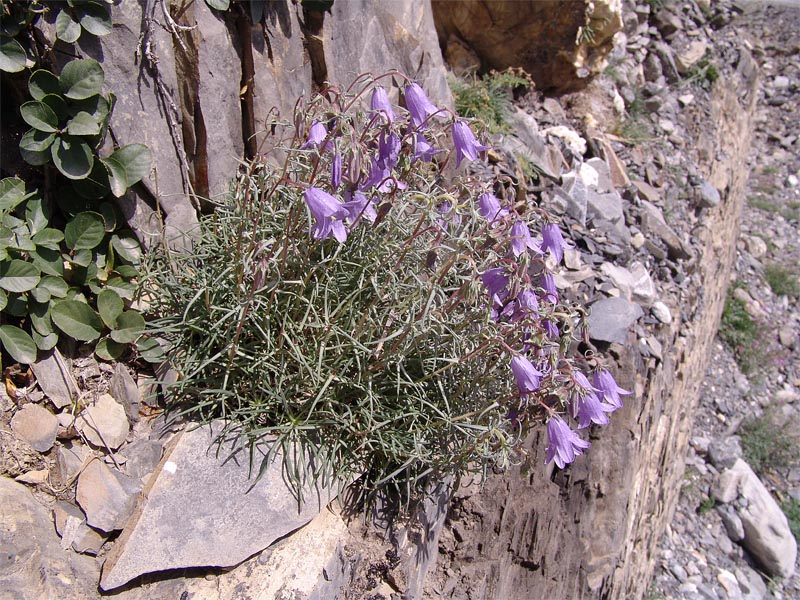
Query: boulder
[
  {"x": 200, "y": 509},
  {"x": 561, "y": 44}
]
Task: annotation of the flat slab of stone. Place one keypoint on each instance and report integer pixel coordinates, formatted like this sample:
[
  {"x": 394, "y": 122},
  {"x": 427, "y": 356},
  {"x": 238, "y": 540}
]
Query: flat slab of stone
[
  {"x": 107, "y": 496},
  {"x": 54, "y": 378},
  {"x": 36, "y": 425},
  {"x": 104, "y": 423},
  {"x": 610, "y": 319},
  {"x": 199, "y": 511}
]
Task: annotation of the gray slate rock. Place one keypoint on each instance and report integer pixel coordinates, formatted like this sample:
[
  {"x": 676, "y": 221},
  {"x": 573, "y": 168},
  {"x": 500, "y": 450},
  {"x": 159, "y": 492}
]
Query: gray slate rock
[
  {"x": 653, "y": 223},
  {"x": 32, "y": 563},
  {"x": 71, "y": 526},
  {"x": 707, "y": 195},
  {"x": 767, "y": 536},
  {"x": 36, "y": 425},
  {"x": 142, "y": 457},
  {"x": 104, "y": 423},
  {"x": 200, "y": 512},
  {"x": 724, "y": 453},
  {"x": 124, "y": 390},
  {"x": 54, "y": 378},
  {"x": 69, "y": 460},
  {"x": 610, "y": 319},
  {"x": 107, "y": 496},
  {"x": 732, "y": 522},
  {"x": 576, "y": 196}
]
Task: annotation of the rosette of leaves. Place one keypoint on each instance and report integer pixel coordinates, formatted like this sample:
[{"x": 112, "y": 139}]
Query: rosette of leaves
[
  {"x": 76, "y": 282},
  {"x": 69, "y": 117},
  {"x": 76, "y": 16}
]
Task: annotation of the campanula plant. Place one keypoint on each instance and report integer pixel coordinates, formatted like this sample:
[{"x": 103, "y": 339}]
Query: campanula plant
[{"x": 359, "y": 304}]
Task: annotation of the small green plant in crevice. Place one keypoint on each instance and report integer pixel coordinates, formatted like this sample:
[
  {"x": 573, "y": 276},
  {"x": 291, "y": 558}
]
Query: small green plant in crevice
[
  {"x": 783, "y": 281},
  {"x": 743, "y": 335},
  {"x": 770, "y": 442},
  {"x": 703, "y": 74},
  {"x": 791, "y": 508},
  {"x": 706, "y": 506},
  {"x": 488, "y": 98},
  {"x": 68, "y": 263}
]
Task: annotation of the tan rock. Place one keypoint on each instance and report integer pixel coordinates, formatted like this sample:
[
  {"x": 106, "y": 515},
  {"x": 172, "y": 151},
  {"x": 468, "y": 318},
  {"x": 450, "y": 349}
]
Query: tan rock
[
  {"x": 36, "y": 425},
  {"x": 104, "y": 423}
]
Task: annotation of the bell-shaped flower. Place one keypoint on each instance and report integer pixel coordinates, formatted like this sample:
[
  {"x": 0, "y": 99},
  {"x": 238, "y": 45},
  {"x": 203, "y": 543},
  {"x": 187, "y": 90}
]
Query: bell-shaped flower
[
  {"x": 553, "y": 241},
  {"x": 316, "y": 136},
  {"x": 521, "y": 240},
  {"x": 528, "y": 377},
  {"x": 380, "y": 104},
  {"x": 388, "y": 150},
  {"x": 586, "y": 405},
  {"x": 496, "y": 283},
  {"x": 525, "y": 306},
  {"x": 358, "y": 207},
  {"x": 564, "y": 445},
  {"x": 466, "y": 144},
  {"x": 551, "y": 329},
  {"x": 489, "y": 207},
  {"x": 419, "y": 106},
  {"x": 608, "y": 389},
  {"x": 328, "y": 214},
  {"x": 549, "y": 285},
  {"x": 423, "y": 150}
]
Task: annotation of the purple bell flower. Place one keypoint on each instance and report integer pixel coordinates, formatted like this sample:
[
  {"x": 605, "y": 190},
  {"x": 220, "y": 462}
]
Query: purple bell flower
[
  {"x": 380, "y": 103},
  {"x": 496, "y": 282},
  {"x": 388, "y": 150},
  {"x": 608, "y": 389},
  {"x": 418, "y": 105},
  {"x": 553, "y": 241},
  {"x": 549, "y": 285},
  {"x": 526, "y": 305},
  {"x": 588, "y": 409},
  {"x": 358, "y": 207},
  {"x": 563, "y": 443},
  {"x": 422, "y": 149},
  {"x": 528, "y": 377},
  {"x": 551, "y": 329},
  {"x": 489, "y": 207},
  {"x": 328, "y": 213},
  {"x": 521, "y": 240},
  {"x": 316, "y": 135},
  {"x": 467, "y": 145}
]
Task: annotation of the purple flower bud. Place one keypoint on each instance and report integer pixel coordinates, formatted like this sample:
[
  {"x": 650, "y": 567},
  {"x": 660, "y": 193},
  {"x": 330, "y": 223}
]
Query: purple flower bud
[
  {"x": 466, "y": 144},
  {"x": 528, "y": 377},
  {"x": 608, "y": 389},
  {"x": 316, "y": 135},
  {"x": 380, "y": 103},
  {"x": 328, "y": 213},
  {"x": 563, "y": 443},
  {"x": 553, "y": 241},
  {"x": 489, "y": 207},
  {"x": 418, "y": 105},
  {"x": 336, "y": 171},
  {"x": 588, "y": 409}
]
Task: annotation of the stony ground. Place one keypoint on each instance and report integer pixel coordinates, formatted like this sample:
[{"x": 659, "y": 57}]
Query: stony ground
[{"x": 750, "y": 403}]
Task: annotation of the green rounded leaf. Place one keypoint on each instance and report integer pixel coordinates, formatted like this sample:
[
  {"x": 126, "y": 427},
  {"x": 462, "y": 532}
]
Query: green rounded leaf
[
  {"x": 37, "y": 215},
  {"x": 40, "y": 294},
  {"x": 76, "y": 319},
  {"x": 39, "y": 313},
  {"x": 18, "y": 276},
  {"x": 95, "y": 185},
  {"x": 219, "y": 4},
  {"x": 127, "y": 247},
  {"x": 127, "y": 166},
  {"x": 55, "y": 285},
  {"x": 59, "y": 106},
  {"x": 126, "y": 271},
  {"x": 3, "y": 300},
  {"x": 82, "y": 258},
  {"x": 67, "y": 29},
  {"x": 81, "y": 79},
  {"x": 83, "y": 124},
  {"x": 150, "y": 350},
  {"x": 17, "y": 305},
  {"x": 111, "y": 215},
  {"x": 45, "y": 342},
  {"x": 18, "y": 344},
  {"x": 12, "y": 56},
  {"x": 37, "y": 141},
  {"x": 49, "y": 238},
  {"x": 96, "y": 19},
  {"x": 12, "y": 193},
  {"x": 110, "y": 306},
  {"x": 124, "y": 288},
  {"x": 37, "y": 159},
  {"x": 48, "y": 261},
  {"x": 108, "y": 349},
  {"x": 72, "y": 157},
  {"x": 129, "y": 326},
  {"x": 39, "y": 116},
  {"x": 41, "y": 83},
  {"x": 85, "y": 231}
]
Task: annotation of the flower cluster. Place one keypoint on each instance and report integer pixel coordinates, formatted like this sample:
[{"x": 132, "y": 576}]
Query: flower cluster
[{"x": 380, "y": 301}]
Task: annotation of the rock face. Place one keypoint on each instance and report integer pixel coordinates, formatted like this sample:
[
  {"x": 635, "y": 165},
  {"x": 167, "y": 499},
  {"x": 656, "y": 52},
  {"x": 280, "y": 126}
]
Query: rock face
[
  {"x": 559, "y": 43},
  {"x": 200, "y": 511}
]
